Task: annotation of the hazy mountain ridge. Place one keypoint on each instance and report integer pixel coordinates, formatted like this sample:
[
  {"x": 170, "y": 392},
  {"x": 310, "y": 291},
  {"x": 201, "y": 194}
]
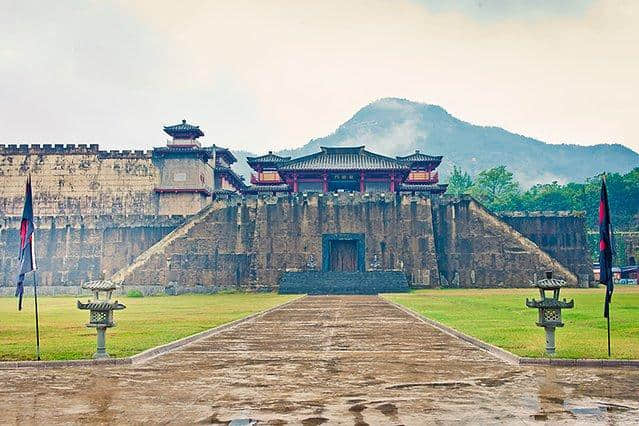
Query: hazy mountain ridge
[{"x": 393, "y": 126}]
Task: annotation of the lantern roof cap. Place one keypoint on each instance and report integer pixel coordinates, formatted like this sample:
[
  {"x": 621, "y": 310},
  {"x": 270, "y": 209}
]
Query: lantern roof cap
[
  {"x": 100, "y": 285},
  {"x": 550, "y": 283}
]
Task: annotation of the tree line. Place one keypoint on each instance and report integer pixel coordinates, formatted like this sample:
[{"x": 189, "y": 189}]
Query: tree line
[{"x": 498, "y": 190}]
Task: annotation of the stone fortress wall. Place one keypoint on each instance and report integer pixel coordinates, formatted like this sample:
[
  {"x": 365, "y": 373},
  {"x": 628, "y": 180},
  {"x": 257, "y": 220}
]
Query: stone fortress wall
[
  {"x": 97, "y": 211},
  {"x": 249, "y": 243},
  {"x": 74, "y": 249},
  {"x": 77, "y": 180},
  {"x": 562, "y": 234}
]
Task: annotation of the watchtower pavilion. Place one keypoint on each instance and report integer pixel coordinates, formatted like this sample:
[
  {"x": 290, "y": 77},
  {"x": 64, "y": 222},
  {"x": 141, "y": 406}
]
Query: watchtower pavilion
[{"x": 189, "y": 173}]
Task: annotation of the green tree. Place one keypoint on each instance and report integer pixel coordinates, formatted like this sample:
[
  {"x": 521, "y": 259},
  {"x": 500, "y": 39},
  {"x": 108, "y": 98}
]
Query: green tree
[
  {"x": 497, "y": 189},
  {"x": 459, "y": 182}
]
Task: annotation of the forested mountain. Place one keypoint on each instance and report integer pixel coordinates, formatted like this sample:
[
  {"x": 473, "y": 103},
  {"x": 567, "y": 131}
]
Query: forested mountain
[{"x": 394, "y": 126}]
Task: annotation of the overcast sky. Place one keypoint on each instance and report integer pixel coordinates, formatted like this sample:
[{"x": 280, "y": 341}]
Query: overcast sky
[{"x": 262, "y": 75}]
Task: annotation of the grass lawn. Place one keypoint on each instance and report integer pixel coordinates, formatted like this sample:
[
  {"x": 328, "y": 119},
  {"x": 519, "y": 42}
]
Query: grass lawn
[
  {"x": 501, "y": 318},
  {"x": 145, "y": 323}
]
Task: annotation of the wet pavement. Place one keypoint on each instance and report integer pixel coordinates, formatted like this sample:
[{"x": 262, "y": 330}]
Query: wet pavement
[{"x": 323, "y": 360}]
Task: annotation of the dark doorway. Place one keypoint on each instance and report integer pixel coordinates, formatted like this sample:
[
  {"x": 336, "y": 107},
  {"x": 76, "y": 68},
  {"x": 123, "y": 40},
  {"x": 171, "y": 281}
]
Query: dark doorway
[
  {"x": 343, "y": 255},
  {"x": 343, "y": 252}
]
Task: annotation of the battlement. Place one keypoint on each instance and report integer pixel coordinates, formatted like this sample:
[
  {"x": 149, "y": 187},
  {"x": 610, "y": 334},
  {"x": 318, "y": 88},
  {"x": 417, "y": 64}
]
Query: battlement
[
  {"x": 547, "y": 213},
  {"x": 342, "y": 198},
  {"x": 71, "y": 149}
]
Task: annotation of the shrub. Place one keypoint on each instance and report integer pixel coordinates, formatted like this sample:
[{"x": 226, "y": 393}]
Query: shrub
[{"x": 134, "y": 293}]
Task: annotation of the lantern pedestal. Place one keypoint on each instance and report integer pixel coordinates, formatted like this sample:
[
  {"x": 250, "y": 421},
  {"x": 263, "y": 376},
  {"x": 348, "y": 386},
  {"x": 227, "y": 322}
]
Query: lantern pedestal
[
  {"x": 550, "y": 308},
  {"x": 101, "y": 312},
  {"x": 550, "y": 341},
  {"x": 101, "y": 347}
]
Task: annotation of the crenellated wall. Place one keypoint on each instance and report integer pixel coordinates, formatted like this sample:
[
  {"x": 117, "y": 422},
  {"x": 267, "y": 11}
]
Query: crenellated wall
[{"x": 77, "y": 179}]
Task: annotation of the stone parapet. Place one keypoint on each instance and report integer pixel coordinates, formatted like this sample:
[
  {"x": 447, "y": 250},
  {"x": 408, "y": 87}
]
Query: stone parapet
[{"x": 70, "y": 149}]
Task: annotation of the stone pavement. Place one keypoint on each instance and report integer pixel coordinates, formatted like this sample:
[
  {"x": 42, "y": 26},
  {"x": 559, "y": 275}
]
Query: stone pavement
[{"x": 335, "y": 360}]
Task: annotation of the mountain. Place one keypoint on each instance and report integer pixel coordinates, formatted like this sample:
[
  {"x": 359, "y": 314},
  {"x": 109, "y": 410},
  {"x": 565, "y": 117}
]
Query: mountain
[{"x": 393, "y": 126}]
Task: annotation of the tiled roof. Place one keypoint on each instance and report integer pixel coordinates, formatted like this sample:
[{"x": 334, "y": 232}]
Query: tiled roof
[
  {"x": 182, "y": 150},
  {"x": 183, "y": 129},
  {"x": 418, "y": 156},
  {"x": 268, "y": 158},
  {"x": 230, "y": 158},
  {"x": 238, "y": 180},
  {"x": 344, "y": 158}
]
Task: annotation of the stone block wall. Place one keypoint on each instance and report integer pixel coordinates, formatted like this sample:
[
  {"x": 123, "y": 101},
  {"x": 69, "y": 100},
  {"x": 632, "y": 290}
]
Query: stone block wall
[
  {"x": 74, "y": 249},
  {"x": 288, "y": 232},
  {"x": 249, "y": 243},
  {"x": 77, "y": 180},
  {"x": 477, "y": 249},
  {"x": 212, "y": 250},
  {"x": 561, "y": 234}
]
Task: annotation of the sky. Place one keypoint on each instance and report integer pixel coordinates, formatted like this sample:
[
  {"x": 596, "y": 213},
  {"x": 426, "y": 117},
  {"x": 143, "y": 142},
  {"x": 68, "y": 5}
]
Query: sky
[{"x": 261, "y": 75}]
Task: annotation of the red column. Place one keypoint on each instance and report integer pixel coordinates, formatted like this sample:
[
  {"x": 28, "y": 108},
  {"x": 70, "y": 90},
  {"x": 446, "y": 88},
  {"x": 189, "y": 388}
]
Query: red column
[
  {"x": 362, "y": 185},
  {"x": 392, "y": 182},
  {"x": 325, "y": 182},
  {"x": 295, "y": 186}
]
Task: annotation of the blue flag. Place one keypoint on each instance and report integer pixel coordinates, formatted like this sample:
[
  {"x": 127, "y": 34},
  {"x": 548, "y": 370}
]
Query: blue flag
[
  {"x": 605, "y": 247},
  {"x": 26, "y": 256}
]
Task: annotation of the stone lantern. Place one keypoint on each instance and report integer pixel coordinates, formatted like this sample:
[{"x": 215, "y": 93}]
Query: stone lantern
[
  {"x": 101, "y": 311},
  {"x": 550, "y": 308}
]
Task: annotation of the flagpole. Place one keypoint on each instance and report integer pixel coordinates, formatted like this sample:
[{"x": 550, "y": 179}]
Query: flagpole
[
  {"x": 610, "y": 280},
  {"x": 608, "y": 333},
  {"x": 35, "y": 295}
]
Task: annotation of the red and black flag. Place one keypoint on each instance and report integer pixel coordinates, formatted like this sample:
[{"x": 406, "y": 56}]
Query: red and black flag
[
  {"x": 27, "y": 244},
  {"x": 605, "y": 247}
]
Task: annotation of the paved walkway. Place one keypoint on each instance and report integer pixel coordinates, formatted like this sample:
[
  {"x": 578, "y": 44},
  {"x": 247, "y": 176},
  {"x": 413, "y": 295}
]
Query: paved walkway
[{"x": 334, "y": 360}]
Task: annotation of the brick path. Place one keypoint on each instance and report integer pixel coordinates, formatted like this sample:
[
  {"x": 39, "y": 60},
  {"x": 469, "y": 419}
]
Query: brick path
[{"x": 350, "y": 359}]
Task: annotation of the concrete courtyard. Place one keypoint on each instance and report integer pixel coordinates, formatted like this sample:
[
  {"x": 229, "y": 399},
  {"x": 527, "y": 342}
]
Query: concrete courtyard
[{"x": 322, "y": 360}]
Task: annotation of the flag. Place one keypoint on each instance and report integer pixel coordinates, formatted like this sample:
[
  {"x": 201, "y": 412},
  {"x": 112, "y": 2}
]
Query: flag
[
  {"x": 26, "y": 257},
  {"x": 605, "y": 247}
]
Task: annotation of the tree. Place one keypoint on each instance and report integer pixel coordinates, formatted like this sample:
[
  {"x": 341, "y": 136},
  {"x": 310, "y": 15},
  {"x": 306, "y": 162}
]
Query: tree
[
  {"x": 459, "y": 182},
  {"x": 497, "y": 189}
]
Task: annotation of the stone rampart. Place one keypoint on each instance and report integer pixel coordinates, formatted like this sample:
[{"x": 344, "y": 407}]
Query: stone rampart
[
  {"x": 73, "y": 249},
  {"x": 561, "y": 234},
  {"x": 78, "y": 180},
  {"x": 475, "y": 248},
  {"x": 249, "y": 243}
]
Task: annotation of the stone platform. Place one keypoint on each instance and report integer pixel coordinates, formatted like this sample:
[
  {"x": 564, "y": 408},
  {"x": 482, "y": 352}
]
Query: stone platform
[
  {"x": 316, "y": 282},
  {"x": 354, "y": 360}
]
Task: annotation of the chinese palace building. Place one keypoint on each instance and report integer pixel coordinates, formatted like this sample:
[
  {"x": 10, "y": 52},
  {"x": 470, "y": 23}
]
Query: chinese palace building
[{"x": 349, "y": 169}]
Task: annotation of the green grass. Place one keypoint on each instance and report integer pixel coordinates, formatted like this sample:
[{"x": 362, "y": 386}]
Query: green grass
[
  {"x": 501, "y": 318},
  {"x": 145, "y": 323}
]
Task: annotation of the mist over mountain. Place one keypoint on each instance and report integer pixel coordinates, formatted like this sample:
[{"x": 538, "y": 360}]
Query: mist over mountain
[{"x": 393, "y": 126}]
